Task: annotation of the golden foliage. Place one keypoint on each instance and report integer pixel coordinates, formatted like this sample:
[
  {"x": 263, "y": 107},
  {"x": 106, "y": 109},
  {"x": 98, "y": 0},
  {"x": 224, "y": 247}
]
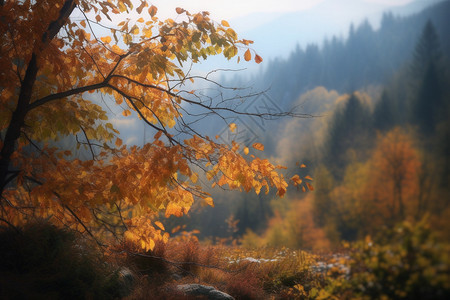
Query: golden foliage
[{"x": 50, "y": 61}]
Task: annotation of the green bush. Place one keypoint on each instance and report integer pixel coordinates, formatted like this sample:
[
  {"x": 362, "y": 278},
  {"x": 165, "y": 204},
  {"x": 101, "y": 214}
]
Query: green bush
[{"x": 407, "y": 262}]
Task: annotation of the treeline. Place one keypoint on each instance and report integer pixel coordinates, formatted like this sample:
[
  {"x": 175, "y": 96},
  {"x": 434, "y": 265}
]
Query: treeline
[
  {"x": 365, "y": 57},
  {"x": 372, "y": 88},
  {"x": 377, "y": 161}
]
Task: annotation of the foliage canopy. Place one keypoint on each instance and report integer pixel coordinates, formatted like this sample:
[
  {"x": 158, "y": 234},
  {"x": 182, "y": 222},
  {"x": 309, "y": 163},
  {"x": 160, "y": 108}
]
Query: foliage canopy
[{"x": 53, "y": 54}]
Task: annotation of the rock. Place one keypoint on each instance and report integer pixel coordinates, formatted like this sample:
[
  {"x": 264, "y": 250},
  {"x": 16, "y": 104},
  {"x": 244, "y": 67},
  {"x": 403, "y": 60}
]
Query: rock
[
  {"x": 203, "y": 290},
  {"x": 218, "y": 295},
  {"x": 126, "y": 282},
  {"x": 177, "y": 277}
]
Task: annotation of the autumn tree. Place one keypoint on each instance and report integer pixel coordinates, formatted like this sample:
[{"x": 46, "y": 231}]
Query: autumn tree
[
  {"x": 394, "y": 184},
  {"x": 57, "y": 58}
]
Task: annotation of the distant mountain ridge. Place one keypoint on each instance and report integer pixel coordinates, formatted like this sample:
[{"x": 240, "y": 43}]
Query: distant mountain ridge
[
  {"x": 365, "y": 57},
  {"x": 311, "y": 26}
]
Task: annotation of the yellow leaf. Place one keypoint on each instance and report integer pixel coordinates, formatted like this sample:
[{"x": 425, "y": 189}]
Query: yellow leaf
[
  {"x": 225, "y": 23},
  {"x": 165, "y": 237},
  {"x": 160, "y": 225},
  {"x": 106, "y": 39},
  {"x": 258, "y": 146},
  {"x": 171, "y": 123},
  {"x": 247, "y": 55},
  {"x": 246, "y": 150},
  {"x": 258, "y": 59},
  {"x": 151, "y": 245},
  {"x": 232, "y": 33},
  {"x": 140, "y": 20},
  {"x": 134, "y": 30},
  {"x": 232, "y": 127},
  {"x": 194, "y": 177},
  {"x": 296, "y": 179},
  {"x": 209, "y": 201},
  {"x": 116, "y": 49},
  {"x": 126, "y": 113}
]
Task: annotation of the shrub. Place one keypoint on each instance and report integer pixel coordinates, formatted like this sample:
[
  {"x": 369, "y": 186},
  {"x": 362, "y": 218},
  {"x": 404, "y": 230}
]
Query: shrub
[
  {"x": 245, "y": 285},
  {"x": 407, "y": 262},
  {"x": 150, "y": 262},
  {"x": 42, "y": 261}
]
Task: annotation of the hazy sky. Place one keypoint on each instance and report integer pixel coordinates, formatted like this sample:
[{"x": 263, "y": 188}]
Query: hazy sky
[{"x": 228, "y": 9}]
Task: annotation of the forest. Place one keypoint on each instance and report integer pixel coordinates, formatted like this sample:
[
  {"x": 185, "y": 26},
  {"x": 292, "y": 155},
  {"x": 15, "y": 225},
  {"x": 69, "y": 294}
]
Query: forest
[{"x": 325, "y": 175}]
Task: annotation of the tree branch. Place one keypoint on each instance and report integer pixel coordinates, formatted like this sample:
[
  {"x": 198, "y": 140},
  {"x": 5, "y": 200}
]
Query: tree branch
[{"x": 65, "y": 94}]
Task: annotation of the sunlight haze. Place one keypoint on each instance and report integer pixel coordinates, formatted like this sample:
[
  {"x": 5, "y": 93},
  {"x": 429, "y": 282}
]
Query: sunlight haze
[{"x": 237, "y": 8}]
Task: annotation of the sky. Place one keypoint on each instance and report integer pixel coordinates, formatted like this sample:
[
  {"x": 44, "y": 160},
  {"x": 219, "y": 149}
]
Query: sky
[
  {"x": 229, "y": 9},
  {"x": 276, "y": 26}
]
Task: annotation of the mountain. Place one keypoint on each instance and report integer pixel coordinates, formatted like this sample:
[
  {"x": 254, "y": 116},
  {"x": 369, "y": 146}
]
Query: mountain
[
  {"x": 281, "y": 33},
  {"x": 366, "y": 56}
]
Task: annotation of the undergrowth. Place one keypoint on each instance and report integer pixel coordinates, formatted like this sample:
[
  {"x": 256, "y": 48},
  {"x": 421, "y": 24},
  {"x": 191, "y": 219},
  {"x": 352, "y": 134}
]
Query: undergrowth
[{"x": 41, "y": 261}]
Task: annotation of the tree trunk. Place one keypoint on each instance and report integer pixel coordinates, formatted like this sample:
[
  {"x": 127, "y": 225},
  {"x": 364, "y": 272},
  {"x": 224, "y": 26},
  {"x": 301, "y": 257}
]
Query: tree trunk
[
  {"x": 17, "y": 120},
  {"x": 18, "y": 117}
]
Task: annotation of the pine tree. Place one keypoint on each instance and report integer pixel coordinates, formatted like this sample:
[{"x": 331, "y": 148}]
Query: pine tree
[
  {"x": 426, "y": 71},
  {"x": 427, "y": 51},
  {"x": 383, "y": 115}
]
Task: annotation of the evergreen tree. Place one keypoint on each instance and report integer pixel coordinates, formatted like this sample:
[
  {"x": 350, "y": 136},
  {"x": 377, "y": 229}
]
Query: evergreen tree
[
  {"x": 349, "y": 129},
  {"x": 426, "y": 71},
  {"x": 429, "y": 103},
  {"x": 384, "y": 115},
  {"x": 427, "y": 51}
]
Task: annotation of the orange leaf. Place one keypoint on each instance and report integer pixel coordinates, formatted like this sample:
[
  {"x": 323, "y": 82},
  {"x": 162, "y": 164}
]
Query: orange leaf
[
  {"x": 160, "y": 225},
  {"x": 152, "y": 10},
  {"x": 308, "y": 177},
  {"x": 194, "y": 177},
  {"x": 83, "y": 23},
  {"x": 258, "y": 146},
  {"x": 158, "y": 135},
  {"x": 126, "y": 113},
  {"x": 258, "y": 59},
  {"x": 106, "y": 39},
  {"x": 118, "y": 142},
  {"x": 225, "y": 23},
  {"x": 209, "y": 201},
  {"x": 296, "y": 179},
  {"x": 246, "y": 150},
  {"x": 247, "y": 55},
  {"x": 232, "y": 127},
  {"x": 179, "y": 10},
  {"x": 165, "y": 237}
]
